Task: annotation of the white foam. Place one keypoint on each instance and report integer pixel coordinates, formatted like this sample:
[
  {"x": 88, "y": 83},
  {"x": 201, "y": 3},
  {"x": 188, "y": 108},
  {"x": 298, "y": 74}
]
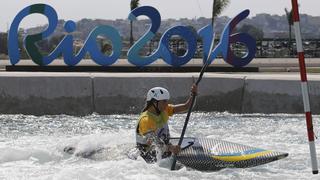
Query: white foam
[{"x": 38, "y": 153}]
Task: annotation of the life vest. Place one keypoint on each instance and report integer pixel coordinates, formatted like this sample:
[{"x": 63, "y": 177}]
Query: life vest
[
  {"x": 158, "y": 125},
  {"x": 161, "y": 132}
]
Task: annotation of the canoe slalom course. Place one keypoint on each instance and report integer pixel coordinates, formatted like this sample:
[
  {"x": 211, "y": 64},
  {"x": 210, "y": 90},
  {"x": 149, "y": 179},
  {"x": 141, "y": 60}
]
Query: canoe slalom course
[{"x": 32, "y": 146}]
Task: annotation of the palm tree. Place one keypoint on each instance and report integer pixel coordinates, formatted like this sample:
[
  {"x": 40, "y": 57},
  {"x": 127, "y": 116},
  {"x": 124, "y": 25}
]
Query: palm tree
[
  {"x": 134, "y": 4},
  {"x": 217, "y": 8},
  {"x": 290, "y": 23}
]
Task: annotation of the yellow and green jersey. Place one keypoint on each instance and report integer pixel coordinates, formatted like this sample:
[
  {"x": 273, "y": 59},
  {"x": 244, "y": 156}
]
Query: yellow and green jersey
[{"x": 152, "y": 123}]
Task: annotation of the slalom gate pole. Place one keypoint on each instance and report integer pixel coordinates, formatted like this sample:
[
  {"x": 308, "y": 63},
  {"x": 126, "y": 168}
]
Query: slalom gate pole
[{"x": 304, "y": 86}]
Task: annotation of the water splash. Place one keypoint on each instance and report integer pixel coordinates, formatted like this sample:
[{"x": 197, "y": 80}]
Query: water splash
[{"x": 32, "y": 147}]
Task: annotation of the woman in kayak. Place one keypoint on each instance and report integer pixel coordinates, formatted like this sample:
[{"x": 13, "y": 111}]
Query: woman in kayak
[{"x": 152, "y": 129}]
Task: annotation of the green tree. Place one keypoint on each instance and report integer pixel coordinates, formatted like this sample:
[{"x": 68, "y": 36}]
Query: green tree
[
  {"x": 3, "y": 43},
  {"x": 134, "y": 4},
  {"x": 106, "y": 48},
  {"x": 217, "y": 8},
  {"x": 289, "y": 15},
  {"x": 21, "y": 36},
  {"x": 54, "y": 41}
]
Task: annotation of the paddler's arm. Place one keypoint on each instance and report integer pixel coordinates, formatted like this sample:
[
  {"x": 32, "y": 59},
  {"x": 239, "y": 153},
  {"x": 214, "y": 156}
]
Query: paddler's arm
[{"x": 180, "y": 108}]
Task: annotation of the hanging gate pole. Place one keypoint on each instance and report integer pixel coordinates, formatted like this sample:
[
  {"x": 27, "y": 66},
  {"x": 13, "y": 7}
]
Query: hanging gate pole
[{"x": 304, "y": 86}]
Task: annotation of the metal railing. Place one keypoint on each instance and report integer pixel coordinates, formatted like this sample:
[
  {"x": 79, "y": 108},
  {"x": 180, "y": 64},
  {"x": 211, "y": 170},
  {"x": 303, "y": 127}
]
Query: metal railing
[{"x": 266, "y": 48}]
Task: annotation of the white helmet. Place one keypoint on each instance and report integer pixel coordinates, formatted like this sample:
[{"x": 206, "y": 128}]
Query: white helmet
[{"x": 158, "y": 93}]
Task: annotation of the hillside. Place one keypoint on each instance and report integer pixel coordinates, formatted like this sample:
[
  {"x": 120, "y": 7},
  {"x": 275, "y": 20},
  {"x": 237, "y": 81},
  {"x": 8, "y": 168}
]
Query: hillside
[{"x": 273, "y": 26}]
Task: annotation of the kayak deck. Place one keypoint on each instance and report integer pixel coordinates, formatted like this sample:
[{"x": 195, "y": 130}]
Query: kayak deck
[{"x": 211, "y": 155}]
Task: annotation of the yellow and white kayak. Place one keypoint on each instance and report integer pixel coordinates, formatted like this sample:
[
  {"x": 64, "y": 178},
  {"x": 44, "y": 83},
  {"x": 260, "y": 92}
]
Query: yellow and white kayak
[
  {"x": 206, "y": 154},
  {"x": 203, "y": 154}
]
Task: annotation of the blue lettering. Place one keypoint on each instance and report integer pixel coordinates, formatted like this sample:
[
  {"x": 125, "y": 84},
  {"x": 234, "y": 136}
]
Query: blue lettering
[{"x": 65, "y": 47}]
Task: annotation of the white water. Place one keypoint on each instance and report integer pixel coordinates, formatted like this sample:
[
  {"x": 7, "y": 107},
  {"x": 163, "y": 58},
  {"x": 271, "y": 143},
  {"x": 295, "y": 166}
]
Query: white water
[{"x": 32, "y": 147}]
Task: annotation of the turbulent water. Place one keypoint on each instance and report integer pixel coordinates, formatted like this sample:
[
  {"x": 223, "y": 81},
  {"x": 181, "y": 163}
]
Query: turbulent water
[{"x": 32, "y": 147}]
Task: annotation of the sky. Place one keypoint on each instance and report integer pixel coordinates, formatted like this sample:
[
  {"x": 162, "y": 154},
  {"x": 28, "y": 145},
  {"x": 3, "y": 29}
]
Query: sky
[{"x": 119, "y": 9}]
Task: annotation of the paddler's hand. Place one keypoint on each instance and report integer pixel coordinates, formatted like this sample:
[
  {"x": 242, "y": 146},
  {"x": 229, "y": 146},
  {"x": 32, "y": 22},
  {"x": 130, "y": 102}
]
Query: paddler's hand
[
  {"x": 194, "y": 90},
  {"x": 175, "y": 149}
]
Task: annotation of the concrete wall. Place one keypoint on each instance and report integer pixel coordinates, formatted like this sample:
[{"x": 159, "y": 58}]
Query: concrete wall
[
  {"x": 109, "y": 93},
  {"x": 49, "y": 94}
]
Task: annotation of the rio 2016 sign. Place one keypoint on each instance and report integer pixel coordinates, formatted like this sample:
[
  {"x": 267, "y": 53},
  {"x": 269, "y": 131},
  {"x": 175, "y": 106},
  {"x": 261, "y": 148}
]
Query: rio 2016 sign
[{"x": 65, "y": 47}]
